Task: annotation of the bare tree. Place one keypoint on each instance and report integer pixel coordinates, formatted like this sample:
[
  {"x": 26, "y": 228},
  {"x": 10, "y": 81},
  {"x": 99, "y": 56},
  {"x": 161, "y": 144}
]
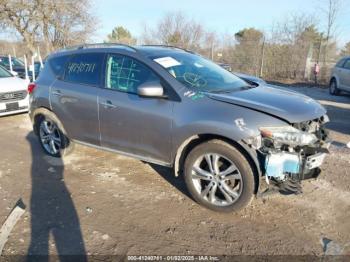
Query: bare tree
[
  {"x": 346, "y": 50},
  {"x": 176, "y": 29},
  {"x": 21, "y": 16},
  {"x": 65, "y": 22},
  {"x": 331, "y": 9},
  {"x": 57, "y": 23}
]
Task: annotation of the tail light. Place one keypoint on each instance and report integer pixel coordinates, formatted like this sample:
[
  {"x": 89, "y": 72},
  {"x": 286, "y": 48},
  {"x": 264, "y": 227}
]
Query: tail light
[{"x": 31, "y": 87}]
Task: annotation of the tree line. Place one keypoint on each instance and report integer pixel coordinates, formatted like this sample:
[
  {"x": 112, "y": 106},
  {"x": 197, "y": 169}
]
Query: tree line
[{"x": 289, "y": 49}]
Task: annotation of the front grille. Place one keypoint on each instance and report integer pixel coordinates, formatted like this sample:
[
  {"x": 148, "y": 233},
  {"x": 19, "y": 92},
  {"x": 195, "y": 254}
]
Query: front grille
[{"x": 13, "y": 96}]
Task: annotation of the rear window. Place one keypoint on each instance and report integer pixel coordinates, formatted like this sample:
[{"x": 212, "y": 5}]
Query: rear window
[
  {"x": 57, "y": 65},
  {"x": 84, "y": 69}
]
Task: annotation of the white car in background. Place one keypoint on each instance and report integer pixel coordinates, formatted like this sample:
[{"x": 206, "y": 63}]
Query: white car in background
[{"x": 13, "y": 94}]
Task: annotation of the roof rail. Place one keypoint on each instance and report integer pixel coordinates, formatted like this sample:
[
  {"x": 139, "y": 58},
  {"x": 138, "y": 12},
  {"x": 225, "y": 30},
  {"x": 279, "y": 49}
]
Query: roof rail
[
  {"x": 171, "y": 46},
  {"x": 97, "y": 45}
]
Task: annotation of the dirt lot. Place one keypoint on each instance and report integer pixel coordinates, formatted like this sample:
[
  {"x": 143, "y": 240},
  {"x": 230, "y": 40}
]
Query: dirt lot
[{"x": 96, "y": 202}]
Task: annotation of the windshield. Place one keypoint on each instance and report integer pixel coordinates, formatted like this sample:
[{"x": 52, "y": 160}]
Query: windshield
[
  {"x": 4, "y": 73},
  {"x": 200, "y": 74},
  {"x": 15, "y": 62}
]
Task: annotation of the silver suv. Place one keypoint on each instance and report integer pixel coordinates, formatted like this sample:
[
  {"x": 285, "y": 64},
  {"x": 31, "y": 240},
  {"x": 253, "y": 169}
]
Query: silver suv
[
  {"x": 340, "y": 78},
  {"x": 171, "y": 107}
]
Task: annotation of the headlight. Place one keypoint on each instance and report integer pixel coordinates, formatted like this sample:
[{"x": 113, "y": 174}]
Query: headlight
[{"x": 288, "y": 135}]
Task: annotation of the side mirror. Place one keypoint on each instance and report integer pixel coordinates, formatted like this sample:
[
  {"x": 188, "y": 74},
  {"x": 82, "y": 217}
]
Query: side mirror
[{"x": 151, "y": 89}]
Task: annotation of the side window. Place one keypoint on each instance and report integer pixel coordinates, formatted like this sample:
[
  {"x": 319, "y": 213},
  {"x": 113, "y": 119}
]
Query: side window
[
  {"x": 347, "y": 64},
  {"x": 84, "y": 68},
  {"x": 340, "y": 63},
  {"x": 4, "y": 61},
  {"x": 127, "y": 74},
  {"x": 57, "y": 65}
]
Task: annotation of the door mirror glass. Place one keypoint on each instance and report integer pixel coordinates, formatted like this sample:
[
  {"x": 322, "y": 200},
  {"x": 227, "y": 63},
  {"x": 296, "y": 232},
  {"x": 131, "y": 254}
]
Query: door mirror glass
[{"x": 151, "y": 89}]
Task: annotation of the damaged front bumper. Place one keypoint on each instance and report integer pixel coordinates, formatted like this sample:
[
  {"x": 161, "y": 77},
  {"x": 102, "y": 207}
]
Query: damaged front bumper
[{"x": 285, "y": 164}]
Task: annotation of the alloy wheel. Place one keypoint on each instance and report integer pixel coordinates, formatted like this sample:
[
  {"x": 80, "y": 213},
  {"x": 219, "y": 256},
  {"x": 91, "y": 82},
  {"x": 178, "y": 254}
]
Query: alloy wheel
[
  {"x": 217, "y": 179},
  {"x": 50, "y": 137}
]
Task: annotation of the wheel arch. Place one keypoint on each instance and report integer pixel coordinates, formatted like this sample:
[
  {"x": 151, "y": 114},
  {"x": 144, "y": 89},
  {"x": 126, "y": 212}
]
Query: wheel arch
[
  {"x": 333, "y": 78},
  {"x": 43, "y": 111},
  {"x": 191, "y": 142}
]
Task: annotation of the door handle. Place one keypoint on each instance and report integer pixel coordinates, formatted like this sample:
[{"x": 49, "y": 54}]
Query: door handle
[
  {"x": 108, "y": 104},
  {"x": 57, "y": 93}
]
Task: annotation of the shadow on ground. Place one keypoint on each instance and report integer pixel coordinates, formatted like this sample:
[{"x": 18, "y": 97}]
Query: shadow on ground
[
  {"x": 52, "y": 210},
  {"x": 168, "y": 174}
]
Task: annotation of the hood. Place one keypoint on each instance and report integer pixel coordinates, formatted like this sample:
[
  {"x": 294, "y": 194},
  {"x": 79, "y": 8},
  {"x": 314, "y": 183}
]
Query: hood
[
  {"x": 290, "y": 106},
  {"x": 10, "y": 84}
]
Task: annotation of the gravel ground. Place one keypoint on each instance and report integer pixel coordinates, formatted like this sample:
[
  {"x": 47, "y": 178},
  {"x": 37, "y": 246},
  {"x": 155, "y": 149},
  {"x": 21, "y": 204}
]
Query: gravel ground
[{"x": 100, "y": 203}]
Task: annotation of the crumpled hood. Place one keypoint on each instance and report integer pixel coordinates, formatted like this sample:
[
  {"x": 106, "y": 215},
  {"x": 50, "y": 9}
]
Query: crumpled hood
[{"x": 290, "y": 106}]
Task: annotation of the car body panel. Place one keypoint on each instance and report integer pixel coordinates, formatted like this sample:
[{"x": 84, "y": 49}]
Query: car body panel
[
  {"x": 76, "y": 106},
  {"x": 12, "y": 87},
  {"x": 290, "y": 106},
  {"x": 341, "y": 73},
  {"x": 154, "y": 128},
  {"x": 134, "y": 124}
]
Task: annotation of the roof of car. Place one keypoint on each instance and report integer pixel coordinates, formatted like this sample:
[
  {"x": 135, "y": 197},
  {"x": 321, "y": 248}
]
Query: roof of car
[{"x": 147, "y": 50}]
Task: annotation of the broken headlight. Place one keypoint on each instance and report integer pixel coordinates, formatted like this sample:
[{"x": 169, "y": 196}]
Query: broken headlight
[{"x": 288, "y": 135}]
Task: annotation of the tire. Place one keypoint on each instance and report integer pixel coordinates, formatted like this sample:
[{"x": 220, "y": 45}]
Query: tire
[
  {"x": 333, "y": 88},
  {"x": 232, "y": 177},
  {"x": 52, "y": 136}
]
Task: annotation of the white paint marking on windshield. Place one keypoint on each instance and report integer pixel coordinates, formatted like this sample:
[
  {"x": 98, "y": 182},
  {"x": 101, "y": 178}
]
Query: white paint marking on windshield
[{"x": 167, "y": 62}]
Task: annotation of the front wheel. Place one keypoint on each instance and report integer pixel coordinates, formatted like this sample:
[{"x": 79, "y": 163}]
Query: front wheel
[
  {"x": 219, "y": 177},
  {"x": 52, "y": 139},
  {"x": 333, "y": 88}
]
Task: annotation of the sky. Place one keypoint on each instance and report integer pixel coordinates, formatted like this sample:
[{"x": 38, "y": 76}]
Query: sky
[{"x": 222, "y": 16}]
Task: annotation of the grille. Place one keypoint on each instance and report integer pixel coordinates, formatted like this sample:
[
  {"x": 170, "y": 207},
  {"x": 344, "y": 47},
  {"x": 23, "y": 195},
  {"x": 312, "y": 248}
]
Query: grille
[{"x": 13, "y": 96}]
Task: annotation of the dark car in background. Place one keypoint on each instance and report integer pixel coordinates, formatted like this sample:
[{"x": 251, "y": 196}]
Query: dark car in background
[
  {"x": 248, "y": 78},
  {"x": 17, "y": 65}
]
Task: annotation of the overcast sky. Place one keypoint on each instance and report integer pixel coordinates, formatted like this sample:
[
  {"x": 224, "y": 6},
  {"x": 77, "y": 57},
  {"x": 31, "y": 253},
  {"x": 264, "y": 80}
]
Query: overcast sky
[{"x": 223, "y": 16}]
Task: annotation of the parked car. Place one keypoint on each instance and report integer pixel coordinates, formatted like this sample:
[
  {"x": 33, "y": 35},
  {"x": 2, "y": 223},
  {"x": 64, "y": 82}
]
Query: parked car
[
  {"x": 248, "y": 78},
  {"x": 251, "y": 79},
  {"x": 17, "y": 65},
  {"x": 340, "y": 78},
  {"x": 13, "y": 93},
  {"x": 171, "y": 107}
]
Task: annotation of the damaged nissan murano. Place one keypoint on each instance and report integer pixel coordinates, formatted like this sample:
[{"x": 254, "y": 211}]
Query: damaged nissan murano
[{"x": 230, "y": 140}]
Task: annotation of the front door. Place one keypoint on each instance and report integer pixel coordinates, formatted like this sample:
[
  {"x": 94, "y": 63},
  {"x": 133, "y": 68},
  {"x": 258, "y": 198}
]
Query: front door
[{"x": 130, "y": 123}]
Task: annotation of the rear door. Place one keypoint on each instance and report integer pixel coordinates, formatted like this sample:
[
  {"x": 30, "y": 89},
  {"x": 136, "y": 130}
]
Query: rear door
[
  {"x": 74, "y": 96},
  {"x": 130, "y": 123}
]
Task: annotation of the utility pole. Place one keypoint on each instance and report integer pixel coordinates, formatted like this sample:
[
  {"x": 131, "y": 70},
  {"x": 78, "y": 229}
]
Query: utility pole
[{"x": 262, "y": 58}]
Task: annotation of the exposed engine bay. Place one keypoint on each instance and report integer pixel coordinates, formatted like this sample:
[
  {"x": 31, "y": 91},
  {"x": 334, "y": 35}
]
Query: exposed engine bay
[{"x": 293, "y": 153}]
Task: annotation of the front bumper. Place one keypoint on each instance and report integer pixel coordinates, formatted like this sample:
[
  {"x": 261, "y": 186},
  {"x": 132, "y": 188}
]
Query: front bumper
[
  {"x": 281, "y": 163},
  {"x": 14, "y": 107}
]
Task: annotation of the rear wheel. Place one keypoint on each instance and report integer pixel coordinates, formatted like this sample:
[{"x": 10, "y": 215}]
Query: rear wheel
[
  {"x": 219, "y": 177},
  {"x": 52, "y": 139},
  {"x": 333, "y": 88}
]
